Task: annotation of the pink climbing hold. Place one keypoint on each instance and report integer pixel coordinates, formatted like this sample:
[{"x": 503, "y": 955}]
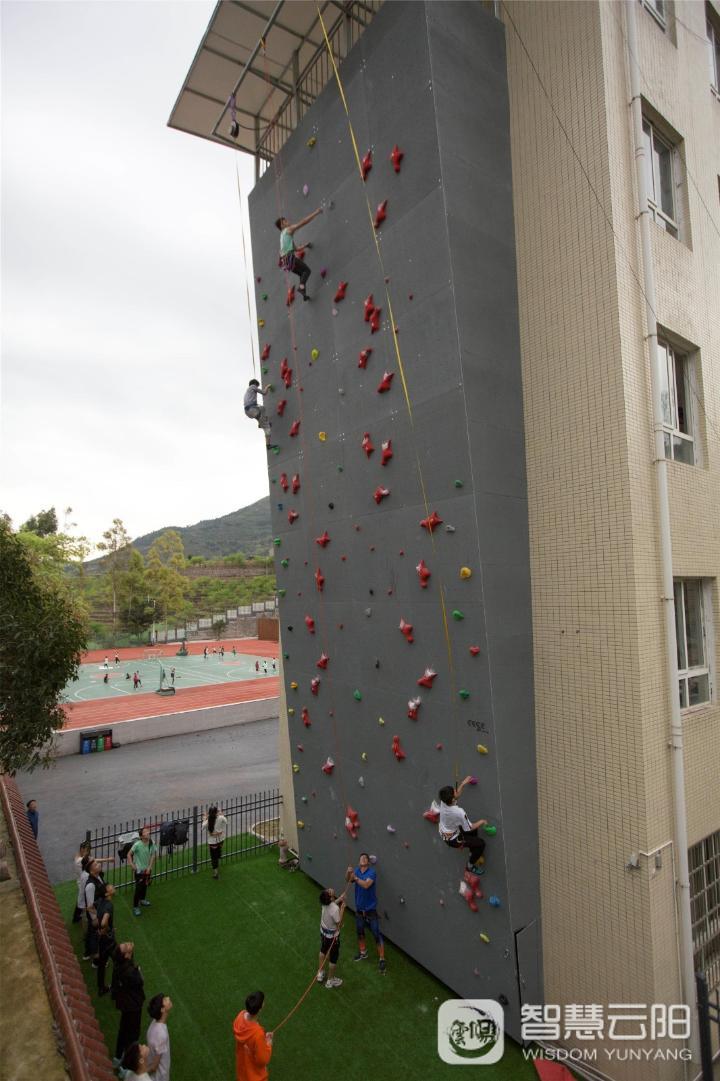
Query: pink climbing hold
[
  {"x": 310, "y": 624},
  {"x": 431, "y": 522},
  {"x": 323, "y": 661},
  {"x": 396, "y": 157},
  {"x": 281, "y": 406},
  {"x": 413, "y": 707},
  {"x": 380, "y": 493},
  {"x": 407, "y": 630},
  {"x": 323, "y": 540},
  {"x": 265, "y": 352},
  {"x": 366, "y": 164},
  {"x": 296, "y": 483},
  {"x": 368, "y": 308},
  {"x": 352, "y": 822},
  {"x": 397, "y": 749},
  {"x": 364, "y": 358},
  {"x": 323, "y": 272},
  {"x": 340, "y": 292},
  {"x": 319, "y": 580},
  {"x": 423, "y": 573},
  {"x": 385, "y": 383},
  {"x": 426, "y": 679},
  {"x": 367, "y": 444},
  {"x": 284, "y": 482},
  {"x": 380, "y": 214},
  {"x": 315, "y": 685},
  {"x": 474, "y": 650},
  {"x": 292, "y": 516},
  {"x": 290, "y": 298},
  {"x": 329, "y": 766},
  {"x": 294, "y": 428},
  {"x": 375, "y": 320},
  {"x": 305, "y": 716},
  {"x": 387, "y": 452}
]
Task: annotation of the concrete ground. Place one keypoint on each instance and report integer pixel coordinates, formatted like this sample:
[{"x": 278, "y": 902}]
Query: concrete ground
[{"x": 84, "y": 792}]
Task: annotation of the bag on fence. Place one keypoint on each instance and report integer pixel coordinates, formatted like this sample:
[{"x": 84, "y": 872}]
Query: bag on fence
[{"x": 124, "y": 851}]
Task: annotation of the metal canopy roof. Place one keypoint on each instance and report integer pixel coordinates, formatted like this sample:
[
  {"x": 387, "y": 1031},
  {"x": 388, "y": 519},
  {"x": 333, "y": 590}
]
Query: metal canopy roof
[{"x": 271, "y": 55}]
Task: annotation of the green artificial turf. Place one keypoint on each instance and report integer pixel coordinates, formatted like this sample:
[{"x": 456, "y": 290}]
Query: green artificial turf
[{"x": 209, "y": 943}]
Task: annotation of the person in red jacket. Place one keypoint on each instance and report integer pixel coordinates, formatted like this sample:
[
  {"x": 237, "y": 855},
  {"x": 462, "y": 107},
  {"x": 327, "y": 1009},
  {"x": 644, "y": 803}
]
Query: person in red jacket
[{"x": 253, "y": 1045}]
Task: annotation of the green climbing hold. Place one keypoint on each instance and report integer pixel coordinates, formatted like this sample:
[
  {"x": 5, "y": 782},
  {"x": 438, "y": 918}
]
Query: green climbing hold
[
  {"x": 357, "y": 696},
  {"x": 340, "y": 469},
  {"x": 265, "y": 370},
  {"x": 457, "y": 614},
  {"x": 490, "y": 830},
  {"x": 284, "y": 562},
  {"x": 464, "y": 694},
  {"x": 264, "y": 296},
  {"x": 458, "y": 484},
  {"x": 281, "y": 592},
  {"x": 286, "y": 656},
  {"x": 277, "y": 541}
]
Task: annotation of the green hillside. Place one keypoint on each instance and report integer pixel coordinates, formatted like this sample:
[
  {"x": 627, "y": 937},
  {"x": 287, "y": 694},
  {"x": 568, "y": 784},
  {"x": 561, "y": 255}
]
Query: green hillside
[{"x": 246, "y": 530}]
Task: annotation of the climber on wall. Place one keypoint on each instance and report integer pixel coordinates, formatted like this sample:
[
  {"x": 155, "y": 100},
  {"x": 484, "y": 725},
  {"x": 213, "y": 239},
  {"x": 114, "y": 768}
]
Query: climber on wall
[
  {"x": 256, "y": 411},
  {"x": 288, "y": 258},
  {"x": 457, "y": 830}
]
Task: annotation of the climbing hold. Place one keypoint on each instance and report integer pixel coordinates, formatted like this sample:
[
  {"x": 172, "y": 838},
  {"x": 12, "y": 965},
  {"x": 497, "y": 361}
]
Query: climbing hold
[
  {"x": 367, "y": 444},
  {"x": 494, "y": 901},
  {"x": 402, "y": 900},
  {"x": 285, "y": 563},
  {"x": 290, "y": 298},
  {"x": 265, "y": 352},
  {"x": 331, "y": 506},
  {"x": 366, "y": 164},
  {"x": 315, "y": 685},
  {"x": 396, "y": 157},
  {"x": 470, "y": 890},
  {"x": 285, "y": 372},
  {"x": 433, "y": 812},
  {"x": 368, "y": 612},
  {"x": 485, "y": 938},
  {"x": 431, "y": 522},
  {"x": 385, "y": 382},
  {"x": 481, "y": 748},
  {"x": 458, "y": 484},
  {"x": 335, "y": 311},
  {"x": 381, "y": 721},
  {"x": 438, "y": 746},
  {"x": 413, "y": 707},
  {"x": 323, "y": 272},
  {"x": 322, "y": 436},
  {"x": 340, "y": 292},
  {"x": 284, "y": 482},
  {"x": 304, "y": 799},
  {"x": 261, "y": 323},
  {"x": 380, "y": 493},
  {"x": 305, "y": 716},
  {"x": 292, "y": 516},
  {"x": 364, "y": 756},
  {"x": 310, "y": 624},
  {"x": 291, "y": 711},
  {"x": 319, "y": 580},
  {"x": 264, "y": 296},
  {"x": 296, "y": 483},
  {"x": 296, "y": 768},
  {"x": 407, "y": 630},
  {"x": 305, "y": 190},
  {"x": 361, "y": 782},
  {"x": 352, "y": 822},
  {"x": 472, "y": 780},
  {"x": 323, "y": 661},
  {"x": 364, "y": 357},
  {"x": 329, "y": 766},
  {"x": 281, "y": 592},
  {"x": 490, "y": 830},
  {"x": 300, "y": 747},
  {"x": 465, "y": 572},
  {"x": 426, "y": 679},
  {"x": 449, "y": 528},
  {"x": 315, "y": 353},
  {"x": 474, "y": 650},
  {"x": 397, "y": 749},
  {"x": 311, "y": 141},
  {"x": 300, "y": 824},
  {"x": 368, "y": 308},
  {"x": 423, "y": 573},
  {"x": 391, "y": 829},
  {"x": 375, "y": 320},
  {"x": 277, "y": 541},
  {"x": 280, "y": 408},
  {"x": 458, "y": 615},
  {"x": 387, "y": 452},
  {"x": 293, "y": 686},
  {"x": 380, "y": 214},
  {"x": 442, "y": 903},
  {"x": 357, "y": 695},
  {"x": 464, "y": 694}
]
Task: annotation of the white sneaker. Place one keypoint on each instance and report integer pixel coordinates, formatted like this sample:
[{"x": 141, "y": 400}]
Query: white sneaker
[
  {"x": 320, "y": 977},
  {"x": 334, "y": 982}
]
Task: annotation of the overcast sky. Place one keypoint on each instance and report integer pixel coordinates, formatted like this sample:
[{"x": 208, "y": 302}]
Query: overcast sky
[{"x": 125, "y": 337}]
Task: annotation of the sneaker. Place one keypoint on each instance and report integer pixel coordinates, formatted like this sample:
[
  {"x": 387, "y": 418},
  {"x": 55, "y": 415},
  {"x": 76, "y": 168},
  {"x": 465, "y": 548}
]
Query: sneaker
[
  {"x": 320, "y": 977},
  {"x": 381, "y": 965},
  {"x": 136, "y": 912},
  {"x": 145, "y": 904},
  {"x": 86, "y": 956},
  {"x": 362, "y": 956},
  {"x": 117, "y": 1063},
  {"x": 95, "y": 964},
  {"x": 474, "y": 869},
  {"x": 334, "y": 982}
]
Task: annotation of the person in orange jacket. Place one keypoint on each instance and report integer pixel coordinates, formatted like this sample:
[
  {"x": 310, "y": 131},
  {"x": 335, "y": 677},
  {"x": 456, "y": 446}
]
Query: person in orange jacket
[{"x": 253, "y": 1045}]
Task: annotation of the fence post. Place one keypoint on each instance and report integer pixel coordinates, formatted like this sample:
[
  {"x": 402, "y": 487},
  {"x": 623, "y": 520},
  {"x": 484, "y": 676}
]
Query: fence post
[
  {"x": 703, "y": 1002},
  {"x": 195, "y": 840}
]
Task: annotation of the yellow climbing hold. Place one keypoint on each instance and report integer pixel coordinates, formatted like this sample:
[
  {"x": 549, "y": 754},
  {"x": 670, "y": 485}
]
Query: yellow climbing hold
[
  {"x": 314, "y": 353},
  {"x": 484, "y": 937},
  {"x": 293, "y": 686},
  {"x": 300, "y": 824},
  {"x": 322, "y": 436},
  {"x": 261, "y": 323},
  {"x": 311, "y": 141},
  {"x": 364, "y": 756},
  {"x": 465, "y": 572},
  {"x": 296, "y": 768},
  {"x": 291, "y": 711},
  {"x": 380, "y": 720},
  {"x": 482, "y": 749}
]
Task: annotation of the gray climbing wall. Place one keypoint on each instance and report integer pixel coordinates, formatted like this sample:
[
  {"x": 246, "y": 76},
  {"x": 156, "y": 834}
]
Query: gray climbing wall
[{"x": 431, "y": 78}]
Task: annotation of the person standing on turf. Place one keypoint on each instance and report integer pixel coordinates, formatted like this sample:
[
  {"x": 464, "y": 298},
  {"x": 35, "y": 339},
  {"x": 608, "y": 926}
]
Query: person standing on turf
[
  {"x": 364, "y": 876},
  {"x": 106, "y": 936},
  {"x": 253, "y": 1045},
  {"x": 330, "y": 920},
  {"x": 136, "y": 1063},
  {"x": 128, "y": 992},
  {"x": 141, "y": 858},
  {"x": 216, "y": 824},
  {"x": 94, "y": 892},
  {"x": 158, "y": 1037}
]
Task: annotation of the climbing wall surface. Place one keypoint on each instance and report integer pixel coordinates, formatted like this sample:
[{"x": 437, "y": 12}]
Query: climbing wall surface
[{"x": 407, "y": 505}]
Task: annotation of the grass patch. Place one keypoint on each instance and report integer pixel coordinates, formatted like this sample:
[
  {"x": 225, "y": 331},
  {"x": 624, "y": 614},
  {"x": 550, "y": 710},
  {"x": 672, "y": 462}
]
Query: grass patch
[{"x": 207, "y": 944}]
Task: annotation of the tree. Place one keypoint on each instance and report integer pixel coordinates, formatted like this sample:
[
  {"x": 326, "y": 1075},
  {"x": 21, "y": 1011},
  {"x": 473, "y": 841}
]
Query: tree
[
  {"x": 116, "y": 542},
  {"x": 43, "y": 636},
  {"x": 165, "y": 562},
  {"x": 42, "y": 524},
  {"x": 136, "y": 614}
]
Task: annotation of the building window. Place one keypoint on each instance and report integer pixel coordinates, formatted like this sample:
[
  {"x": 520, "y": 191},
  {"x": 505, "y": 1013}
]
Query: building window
[
  {"x": 713, "y": 36},
  {"x": 658, "y": 8},
  {"x": 704, "y": 860},
  {"x": 676, "y": 400},
  {"x": 660, "y": 167},
  {"x": 693, "y": 670}
]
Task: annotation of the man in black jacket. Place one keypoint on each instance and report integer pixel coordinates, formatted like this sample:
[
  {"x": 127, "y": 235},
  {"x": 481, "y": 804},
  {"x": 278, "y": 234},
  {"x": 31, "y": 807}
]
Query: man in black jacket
[
  {"x": 106, "y": 936},
  {"x": 128, "y": 992}
]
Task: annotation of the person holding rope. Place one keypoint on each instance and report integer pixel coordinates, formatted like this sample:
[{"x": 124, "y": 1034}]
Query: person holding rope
[
  {"x": 330, "y": 920},
  {"x": 364, "y": 876},
  {"x": 457, "y": 830},
  {"x": 253, "y": 1045},
  {"x": 289, "y": 259}
]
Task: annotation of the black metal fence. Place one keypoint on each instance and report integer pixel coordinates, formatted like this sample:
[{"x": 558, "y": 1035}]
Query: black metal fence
[
  {"x": 253, "y": 824},
  {"x": 708, "y": 1014}
]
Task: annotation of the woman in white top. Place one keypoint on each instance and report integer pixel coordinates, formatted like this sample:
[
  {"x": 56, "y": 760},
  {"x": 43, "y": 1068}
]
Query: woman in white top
[
  {"x": 216, "y": 824},
  {"x": 457, "y": 830},
  {"x": 330, "y": 920}
]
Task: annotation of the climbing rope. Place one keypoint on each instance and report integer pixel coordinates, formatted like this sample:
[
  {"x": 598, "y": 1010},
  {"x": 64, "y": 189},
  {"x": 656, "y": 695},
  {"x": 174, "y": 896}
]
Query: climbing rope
[{"x": 245, "y": 269}]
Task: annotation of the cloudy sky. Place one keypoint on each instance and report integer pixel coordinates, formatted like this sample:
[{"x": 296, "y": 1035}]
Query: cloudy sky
[{"x": 125, "y": 337}]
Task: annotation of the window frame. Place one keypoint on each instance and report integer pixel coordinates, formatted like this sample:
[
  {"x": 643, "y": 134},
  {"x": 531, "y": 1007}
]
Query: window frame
[
  {"x": 670, "y": 224},
  {"x": 673, "y": 359},
  {"x": 685, "y": 672},
  {"x": 659, "y": 16},
  {"x": 704, "y": 864},
  {"x": 713, "y": 39}
]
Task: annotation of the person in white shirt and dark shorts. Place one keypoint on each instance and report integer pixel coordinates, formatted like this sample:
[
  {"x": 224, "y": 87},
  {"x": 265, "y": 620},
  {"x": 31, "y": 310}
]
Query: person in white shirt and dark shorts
[
  {"x": 216, "y": 824},
  {"x": 332, "y": 914},
  {"x": 457, "y": 830}
]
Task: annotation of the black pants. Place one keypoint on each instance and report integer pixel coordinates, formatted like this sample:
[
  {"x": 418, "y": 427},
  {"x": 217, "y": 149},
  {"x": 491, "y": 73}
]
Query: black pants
[
  {"x": 129, "y": 1031},
  {"x": 215, "y": 854},
  {"x": 141, "y": 885},
  {"x": 469, "y": 839},
  {"x": 78, "y": 914},
  {"x": 105, "y": 952},
  {"x": 296, "y": 266}
]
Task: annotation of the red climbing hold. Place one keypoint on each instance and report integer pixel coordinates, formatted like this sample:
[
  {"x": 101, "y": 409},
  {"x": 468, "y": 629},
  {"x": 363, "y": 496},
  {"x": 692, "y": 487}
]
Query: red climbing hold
[
  {"x": 396, "y": 157},
  {"x": 375, "y": 320},
  {"x": 290, "y": 298},
  {"x": 407, "y": 630},
  {"x": 323, "y": 662},
  {"x": 431, "y": 814},
  {"x": 470, "y": 889},
  {"x": 368, "y": 308},
  {"x": 310, "y": 624},
  {"x": 380, "y": 214},
  {"x": 431, "y": 522},
  {"x": 292, "y": 516},
  {"x": 397, "y": 749},
  {"x": 387, "y": 452},
  {"x": 352, "y": 822},
  {"x": 380, "y": 493},
  {"x": 265, "y": 352},
  {"x": 366, "y": 164},
  {"x": 323, "y": 540},
  {"x": 426, "y": 679},
  {"x": 367, "y": 444},
  {"x": 315, "y": 685},
  {"x": 364, "y": 358},
  {"x": 294, "y": 428},
  {"x": 340, "y": 292},
  {"x": 413, "y": 707},
  {"x": 287, "y": 378},
  {"x": 329, "y": 766},
  {"x": 423, "y": 573},
  {"x": 474, "y": 650},
  {"x": 385, "y": 383},
  {"x": 305, "y": 716},
  {"x": 296, "y": 483},
  {"x": 281, "y": 406},
  {"x": 319, "y": 580},
  {"x": 284, "y": 482}
]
